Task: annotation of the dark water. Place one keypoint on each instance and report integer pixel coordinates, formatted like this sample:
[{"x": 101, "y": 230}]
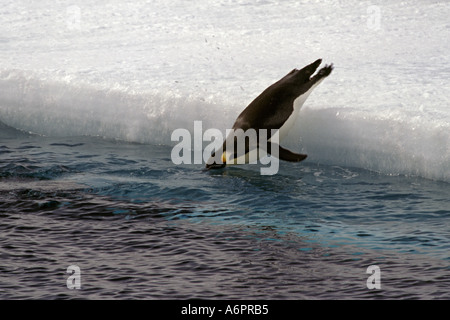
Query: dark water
[{"x": 139, "y": 227}]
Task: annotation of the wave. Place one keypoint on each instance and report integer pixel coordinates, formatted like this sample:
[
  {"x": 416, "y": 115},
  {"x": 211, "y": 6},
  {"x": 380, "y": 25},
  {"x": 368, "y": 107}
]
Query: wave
[{"x": 380, "y": 141}]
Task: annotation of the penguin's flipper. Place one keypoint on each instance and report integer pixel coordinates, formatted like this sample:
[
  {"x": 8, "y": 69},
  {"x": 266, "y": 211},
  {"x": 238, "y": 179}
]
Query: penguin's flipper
[{"x": 287, "y": 155}]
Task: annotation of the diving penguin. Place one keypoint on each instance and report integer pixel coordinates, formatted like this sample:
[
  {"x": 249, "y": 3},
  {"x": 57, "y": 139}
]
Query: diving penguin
[{"x": 276, "y": 107}]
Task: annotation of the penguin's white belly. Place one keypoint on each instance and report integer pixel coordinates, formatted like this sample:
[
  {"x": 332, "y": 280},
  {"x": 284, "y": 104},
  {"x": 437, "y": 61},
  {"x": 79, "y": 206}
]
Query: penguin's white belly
[{"x": 298, "y": 103}]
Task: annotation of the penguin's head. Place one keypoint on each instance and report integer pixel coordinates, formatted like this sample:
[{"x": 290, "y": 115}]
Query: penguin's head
[{"x": 212, "y": 164}]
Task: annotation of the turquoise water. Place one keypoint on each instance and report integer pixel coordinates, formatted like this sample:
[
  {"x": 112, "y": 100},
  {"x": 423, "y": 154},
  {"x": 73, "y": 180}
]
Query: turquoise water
[{"x": 156, "y": 230}]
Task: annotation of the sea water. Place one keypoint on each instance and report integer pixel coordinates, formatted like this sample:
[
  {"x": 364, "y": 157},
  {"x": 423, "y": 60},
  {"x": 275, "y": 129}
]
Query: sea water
[{"x": 91, "y": 93}]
